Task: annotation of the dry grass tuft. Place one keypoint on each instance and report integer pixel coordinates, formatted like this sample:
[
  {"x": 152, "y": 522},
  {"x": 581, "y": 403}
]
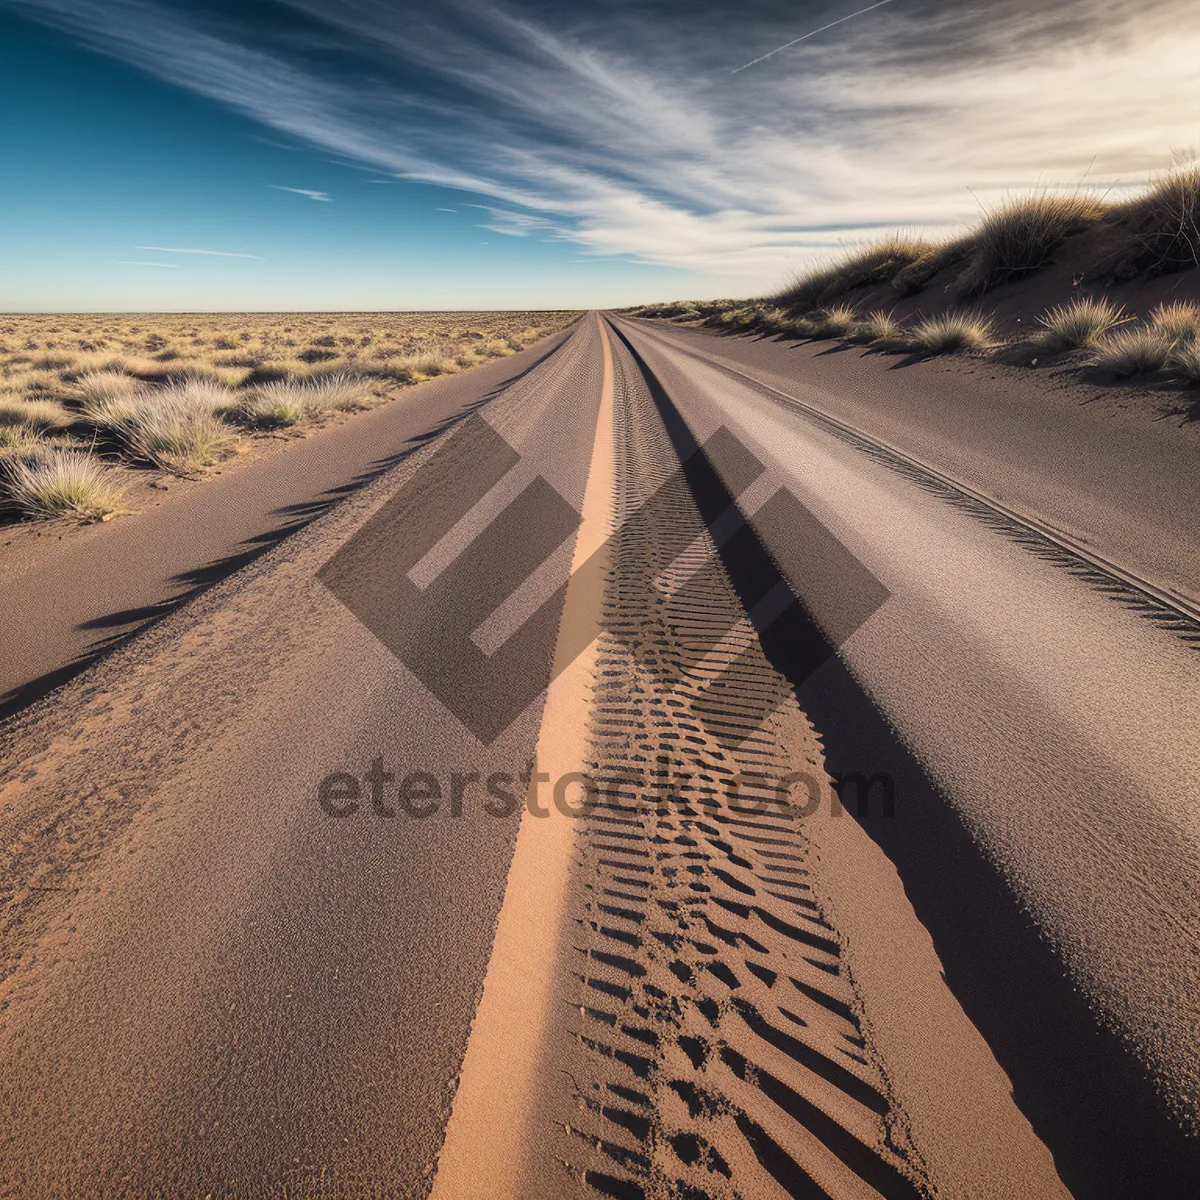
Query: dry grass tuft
[
  {"x": 1021, "y": 236},
  {"x": 40, "y": 416},
  {"x": 59, "y": 483},
  {"x": 863, "y": 266},
  {"x": 288, "y": 402},
  {"x": 1178, "y": 321},
  {"x": 1161, "y": 227},
  {"x": 953, "y": 332},
  {"x": 1081, "y": 322},
  {"x": 17, "y": 439},
  {"x": 107, "y": 399},
  {"x": 835, "y": 322},
  {"x": 179, "y": 427},
  {"x": 878, "y": 329},
  {"x": 340, "y": 392},
  {"x": 1134, "y": 351},
  {"x": 1184, "y": 363}
]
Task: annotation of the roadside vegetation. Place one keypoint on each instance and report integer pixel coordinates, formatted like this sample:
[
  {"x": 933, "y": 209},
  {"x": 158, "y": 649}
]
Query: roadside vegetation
[
  {"x": 86, "y": 400},
  {"x": 943, "y": 284}
]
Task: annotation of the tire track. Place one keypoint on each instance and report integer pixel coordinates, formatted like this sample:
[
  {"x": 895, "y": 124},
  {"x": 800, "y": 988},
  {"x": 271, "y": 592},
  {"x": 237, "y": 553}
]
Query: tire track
[{"x": 720, "y": 1042}]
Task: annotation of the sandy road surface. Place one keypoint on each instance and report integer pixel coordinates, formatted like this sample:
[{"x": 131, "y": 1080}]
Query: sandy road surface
[
  {"x": 1055, "y": 718},
  {"x": 212, "y": 986}
]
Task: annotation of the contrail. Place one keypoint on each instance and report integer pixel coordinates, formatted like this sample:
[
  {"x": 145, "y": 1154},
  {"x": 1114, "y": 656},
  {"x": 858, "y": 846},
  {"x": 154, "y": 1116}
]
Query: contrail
[{"x": 796, "y": 41}]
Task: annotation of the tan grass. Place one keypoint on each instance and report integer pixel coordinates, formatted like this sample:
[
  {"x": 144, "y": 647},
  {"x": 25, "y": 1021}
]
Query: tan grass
[
  {"x": 179, "y": 427},
  {"x": 1134, "y": 351},
  {"x": 41, "y": 416},
  {"x": 861, "y": 266},
  {"x": 59, "y": 483},
  {"x": 1022, "y": 235},
  {"x": 838, "y": 321},
  {"x": 1184, "y": 362},
  {"x": 139, "y": 377},
  {"x": 288, "y": 402},
  {"x": 1079, "y": 322},
  {"x": 107, "y": 398},
  {"x": 18, "y": 439},
  {"x": 953, "y": 332},
  {"x": 1178, "y": 321},
  {"x": 878, "y": 329}
]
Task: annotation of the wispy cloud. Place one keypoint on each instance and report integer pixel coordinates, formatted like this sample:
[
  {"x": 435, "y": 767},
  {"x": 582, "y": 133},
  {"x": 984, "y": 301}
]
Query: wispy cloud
[
  {"x": 133, "y": 262},
  {"x": 631, "y": 136},
  {"x": 300, "y": 191},
  {"x": 208, "y": 253},
  {"x": 453, "y": 210}
]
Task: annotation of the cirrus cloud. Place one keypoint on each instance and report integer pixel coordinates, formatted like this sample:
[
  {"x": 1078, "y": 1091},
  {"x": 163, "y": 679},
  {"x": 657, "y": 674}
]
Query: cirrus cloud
[{"x": 629, "y": 133}]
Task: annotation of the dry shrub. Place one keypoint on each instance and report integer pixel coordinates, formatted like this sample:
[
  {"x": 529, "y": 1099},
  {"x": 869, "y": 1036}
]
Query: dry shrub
[
  {"x": 1134, "y": 351},
  {"x": 1080, "y": 322},
  {"x": 863, "y": 266},
  {"x": 953, "y": 332},
  {"x": 1160, "y": 229},
  {"x": 1022, "y": 235},
  {"x": 59, "y": 483}
]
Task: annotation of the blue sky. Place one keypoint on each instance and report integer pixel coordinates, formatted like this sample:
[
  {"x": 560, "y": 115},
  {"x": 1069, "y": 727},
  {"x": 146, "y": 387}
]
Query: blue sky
[{"x": 461, "y": 155}]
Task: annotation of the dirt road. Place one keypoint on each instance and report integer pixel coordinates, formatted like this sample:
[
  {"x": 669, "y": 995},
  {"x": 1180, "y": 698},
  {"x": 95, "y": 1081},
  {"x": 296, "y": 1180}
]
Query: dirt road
[{"x": 292, "y": 903}]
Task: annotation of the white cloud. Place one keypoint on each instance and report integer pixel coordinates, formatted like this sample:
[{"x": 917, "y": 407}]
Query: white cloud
[
  {"x": 209, "y": 253},
  {"x": 629, "y": 135},
  {"x": 300, "y": 191}
]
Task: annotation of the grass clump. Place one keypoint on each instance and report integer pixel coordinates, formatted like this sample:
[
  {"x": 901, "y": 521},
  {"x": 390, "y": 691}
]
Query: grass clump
[
  {"x": 1080, "y": 322},
  {"x": 59, "y": 483},
  {"x": 274, "y": 405},
  {"x": 430, "y": 366},
  {"x": 1161, "y": 227},
  {"x": 107, "y": 399},
  {"x": 1021, "y": 236},
  {"x": 17, "y": 439},
  {"x": 951, "y": 333},
  {"x": 1134, "y": 351},
  {"x": 339, "y": 392},
  {"x": 878, "y": 329},
  {"x": 1178, "y": 321},
  {"x": 838, "y": 321},
  {"x": 39, "y": 416},
  {"x": 179, "y": 427},
  {"x": 1184, "y": 363},
  {"x": 864, "y": 266},
  {"x": 289, "y": 401}
]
